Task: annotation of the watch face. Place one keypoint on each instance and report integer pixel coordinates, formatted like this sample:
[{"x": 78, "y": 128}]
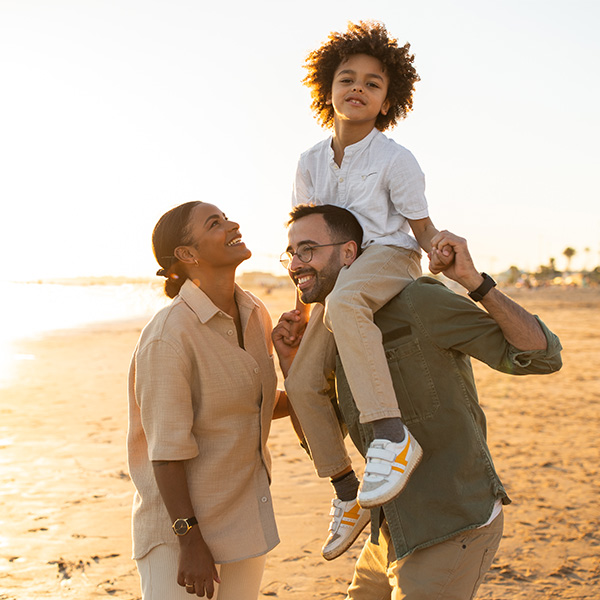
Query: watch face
[{"x": 180, "y": 526}]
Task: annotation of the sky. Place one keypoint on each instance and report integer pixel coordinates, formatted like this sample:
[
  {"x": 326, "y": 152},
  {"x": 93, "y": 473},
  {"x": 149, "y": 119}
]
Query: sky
[{"x": 114, "y": 111}]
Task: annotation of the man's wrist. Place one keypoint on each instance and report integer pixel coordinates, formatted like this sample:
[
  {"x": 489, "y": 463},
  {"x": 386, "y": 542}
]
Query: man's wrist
[
  {"x": 473, "y": 282},
  {"x": 485, "y": 286}
]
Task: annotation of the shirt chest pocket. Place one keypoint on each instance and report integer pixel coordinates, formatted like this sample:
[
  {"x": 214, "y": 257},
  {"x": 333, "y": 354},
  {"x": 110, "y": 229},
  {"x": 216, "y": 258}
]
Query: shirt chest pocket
[
  {"x": 417, "y": 395},
  {"x": 363, "y": 181},
  {"x": 227, "y": 389}
]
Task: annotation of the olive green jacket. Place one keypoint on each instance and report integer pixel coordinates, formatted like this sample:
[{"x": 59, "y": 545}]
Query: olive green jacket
[{"x": 429, "y": 334}]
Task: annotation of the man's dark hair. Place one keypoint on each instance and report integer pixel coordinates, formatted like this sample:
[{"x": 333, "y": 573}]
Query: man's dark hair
[
  {"x": 342, "y": 224},
  {"x": 364, "y": 37}
]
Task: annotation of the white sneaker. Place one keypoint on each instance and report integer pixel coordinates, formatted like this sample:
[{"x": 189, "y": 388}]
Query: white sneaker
[
  {"x": 388, "y": 469},
  {"x": 349, "y": 519}
]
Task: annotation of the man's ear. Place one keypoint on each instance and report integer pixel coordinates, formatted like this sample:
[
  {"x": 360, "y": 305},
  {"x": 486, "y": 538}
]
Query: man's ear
[
  {"x": 349, "y": 252},
  {"x": 183, "y": 254}
]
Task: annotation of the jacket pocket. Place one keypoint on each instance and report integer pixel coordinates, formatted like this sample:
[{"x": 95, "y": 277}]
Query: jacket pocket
[{"x": 416, "y": 393}]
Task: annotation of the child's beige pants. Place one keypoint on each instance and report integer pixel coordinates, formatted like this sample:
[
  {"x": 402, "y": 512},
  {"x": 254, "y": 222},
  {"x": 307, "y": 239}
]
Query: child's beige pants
[{"x": 379, "y": 274}]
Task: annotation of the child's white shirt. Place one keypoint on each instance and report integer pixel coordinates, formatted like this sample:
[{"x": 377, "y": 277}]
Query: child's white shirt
[{"x": 379, "y": 181}]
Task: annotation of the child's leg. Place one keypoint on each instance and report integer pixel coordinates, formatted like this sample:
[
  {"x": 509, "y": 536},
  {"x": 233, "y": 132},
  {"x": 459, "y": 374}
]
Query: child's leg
[
  {"x": 378, "y": 275},
  {"x": 308, "y": 385}
]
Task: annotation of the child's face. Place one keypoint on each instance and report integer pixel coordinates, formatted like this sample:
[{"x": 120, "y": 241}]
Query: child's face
[{"x": 359, "y": 89}]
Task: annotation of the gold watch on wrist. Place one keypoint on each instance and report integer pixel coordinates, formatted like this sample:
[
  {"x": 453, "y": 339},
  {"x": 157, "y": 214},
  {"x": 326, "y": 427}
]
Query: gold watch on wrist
[{"x": 182, "y": 526}]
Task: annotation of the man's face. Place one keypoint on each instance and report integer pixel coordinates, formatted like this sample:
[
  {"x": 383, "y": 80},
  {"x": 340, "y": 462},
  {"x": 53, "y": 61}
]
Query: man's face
[{"x": 315, "y": 279}]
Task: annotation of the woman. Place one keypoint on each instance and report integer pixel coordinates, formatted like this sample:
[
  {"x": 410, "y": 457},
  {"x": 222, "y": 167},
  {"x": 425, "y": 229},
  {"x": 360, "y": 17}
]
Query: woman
[{"x": 202, "y": 393}]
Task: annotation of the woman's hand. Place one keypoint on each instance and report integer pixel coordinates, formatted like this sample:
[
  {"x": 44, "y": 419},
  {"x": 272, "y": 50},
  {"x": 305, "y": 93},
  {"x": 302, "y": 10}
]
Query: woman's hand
[{"x": 197, "y": 571}]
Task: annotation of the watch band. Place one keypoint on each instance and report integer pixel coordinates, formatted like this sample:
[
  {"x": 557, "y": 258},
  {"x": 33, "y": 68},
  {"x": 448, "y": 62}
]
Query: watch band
[
  {"x": 182, "y": 526},
  {"x": 478, "y": 294}
]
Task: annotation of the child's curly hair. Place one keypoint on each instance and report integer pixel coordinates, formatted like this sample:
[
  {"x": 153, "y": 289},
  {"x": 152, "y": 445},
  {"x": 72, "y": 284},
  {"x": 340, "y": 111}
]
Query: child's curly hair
[{"x": 364, "y": 37}]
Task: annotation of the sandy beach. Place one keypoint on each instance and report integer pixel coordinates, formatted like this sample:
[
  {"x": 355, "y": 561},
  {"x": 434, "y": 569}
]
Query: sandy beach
[{"x": 65, "y": 495}]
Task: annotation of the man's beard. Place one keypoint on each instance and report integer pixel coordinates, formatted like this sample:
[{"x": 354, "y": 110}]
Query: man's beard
[{"x": 323, "y": 282}]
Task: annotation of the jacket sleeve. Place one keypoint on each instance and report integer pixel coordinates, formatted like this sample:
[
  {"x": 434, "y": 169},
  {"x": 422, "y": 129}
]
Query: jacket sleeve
[{"x": 456, "y": 324}]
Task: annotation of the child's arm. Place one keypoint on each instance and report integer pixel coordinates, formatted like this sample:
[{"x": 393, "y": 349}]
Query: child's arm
[{"x": 424, "y": 231}]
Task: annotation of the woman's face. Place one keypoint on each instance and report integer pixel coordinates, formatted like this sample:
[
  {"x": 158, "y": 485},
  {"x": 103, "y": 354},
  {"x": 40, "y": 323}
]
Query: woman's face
[{"x": 215, "y": 241}]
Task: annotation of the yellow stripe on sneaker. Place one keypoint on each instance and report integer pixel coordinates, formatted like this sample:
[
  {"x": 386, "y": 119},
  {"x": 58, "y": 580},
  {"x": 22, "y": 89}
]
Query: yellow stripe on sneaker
[
  {"x": 351, "y": 523},
  {"x": 352, "y": 513},
  {"x": 401, "y": 458}
]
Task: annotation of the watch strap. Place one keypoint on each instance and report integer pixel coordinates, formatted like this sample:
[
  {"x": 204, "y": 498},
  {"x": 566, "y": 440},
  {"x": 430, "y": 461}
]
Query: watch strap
[{"x": 478, "y": 294}]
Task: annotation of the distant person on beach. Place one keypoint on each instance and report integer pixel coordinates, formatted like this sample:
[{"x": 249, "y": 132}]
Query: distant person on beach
[
  {"x": 202, "y": 393},
  {"x": 362, "y": 83},
  {"x": 438, "y": 538}
]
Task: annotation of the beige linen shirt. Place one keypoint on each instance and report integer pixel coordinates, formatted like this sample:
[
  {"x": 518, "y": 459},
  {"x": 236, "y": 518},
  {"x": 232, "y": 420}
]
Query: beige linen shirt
[{"x": 196, "y": 396}]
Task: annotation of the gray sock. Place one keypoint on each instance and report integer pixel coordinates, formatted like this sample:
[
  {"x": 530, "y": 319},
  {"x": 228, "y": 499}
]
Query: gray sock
[
  {"x": 388, "y": 429},
  {"x": 346, "y": 486}
]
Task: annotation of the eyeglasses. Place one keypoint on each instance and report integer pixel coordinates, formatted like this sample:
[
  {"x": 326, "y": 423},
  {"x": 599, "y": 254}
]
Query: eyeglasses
[{"x": 304, "y": 253}]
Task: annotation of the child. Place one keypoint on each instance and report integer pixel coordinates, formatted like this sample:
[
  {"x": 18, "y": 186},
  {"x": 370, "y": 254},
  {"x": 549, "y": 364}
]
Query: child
[{"x": 361, "y": 83}]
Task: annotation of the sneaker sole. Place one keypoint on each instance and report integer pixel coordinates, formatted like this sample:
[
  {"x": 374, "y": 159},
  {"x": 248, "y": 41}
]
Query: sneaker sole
[
  {"x": 331, "y": 554},
  {"x": 393, "y": 492}
]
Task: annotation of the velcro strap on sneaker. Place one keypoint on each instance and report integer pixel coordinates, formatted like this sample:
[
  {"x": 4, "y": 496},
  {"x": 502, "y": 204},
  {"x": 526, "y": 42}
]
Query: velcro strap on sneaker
[
  {"x": 378, "y": 469},
  {"x": 381, "y": 453}
]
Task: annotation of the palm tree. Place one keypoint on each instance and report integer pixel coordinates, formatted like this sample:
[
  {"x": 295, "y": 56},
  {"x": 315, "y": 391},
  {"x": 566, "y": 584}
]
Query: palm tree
[
  {"x": 569, "y": 253},
  {"x": 587, "y": 251}
]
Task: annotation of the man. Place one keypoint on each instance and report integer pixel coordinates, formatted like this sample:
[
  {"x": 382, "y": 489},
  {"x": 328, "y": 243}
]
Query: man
[{"x": 438, "y": 538}]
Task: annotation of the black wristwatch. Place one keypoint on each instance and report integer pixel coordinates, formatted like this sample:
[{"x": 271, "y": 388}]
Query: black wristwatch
[
  {"x": 182, "y": 526},
  {"x": 478, "y": 294}
]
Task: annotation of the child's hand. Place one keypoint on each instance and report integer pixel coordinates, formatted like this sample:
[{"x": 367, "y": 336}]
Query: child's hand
[{"x": 440, "y": 258}]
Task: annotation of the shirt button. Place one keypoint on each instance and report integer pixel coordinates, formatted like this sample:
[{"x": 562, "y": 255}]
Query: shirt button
[
  {"x": 341, "y": 180},
  {"x": 264, "y": 499},
  {"x": 230, "y": 332}
]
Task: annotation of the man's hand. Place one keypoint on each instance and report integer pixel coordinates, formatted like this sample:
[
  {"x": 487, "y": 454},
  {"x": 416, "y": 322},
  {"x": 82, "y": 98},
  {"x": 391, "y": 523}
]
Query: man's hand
[
  {"x": 462, "y": 270},
  {"x": 280, "y": 336},
  {"x": 295, "y": 330},
  {"x": 441, "y": 259}
]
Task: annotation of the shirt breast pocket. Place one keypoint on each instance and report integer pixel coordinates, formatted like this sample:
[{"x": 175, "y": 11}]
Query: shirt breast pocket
[
  {"x": 417, "y": 395},
  {"x": 365, "y": 181}
]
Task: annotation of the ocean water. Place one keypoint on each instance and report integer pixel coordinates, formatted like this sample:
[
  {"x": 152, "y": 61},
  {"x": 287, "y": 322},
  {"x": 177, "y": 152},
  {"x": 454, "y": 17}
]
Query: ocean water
[{"x": 32, "y": 309}]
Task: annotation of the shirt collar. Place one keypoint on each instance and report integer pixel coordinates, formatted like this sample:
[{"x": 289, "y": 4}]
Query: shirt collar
[
  {"x": 203, "y": 306},
  {"x": 358, "y": 146}
]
